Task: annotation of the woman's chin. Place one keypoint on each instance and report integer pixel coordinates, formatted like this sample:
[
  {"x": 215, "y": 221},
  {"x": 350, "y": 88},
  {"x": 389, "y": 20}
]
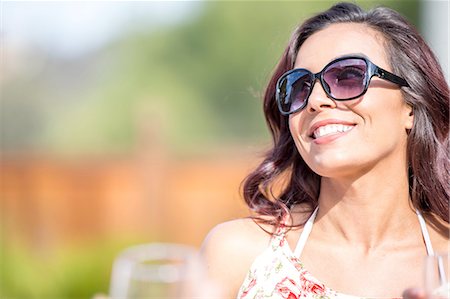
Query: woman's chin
[{"x": 337, "y": 168}]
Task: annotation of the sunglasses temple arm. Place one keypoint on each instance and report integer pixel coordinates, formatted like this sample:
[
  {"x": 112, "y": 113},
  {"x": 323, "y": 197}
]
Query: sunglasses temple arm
[{"x": 383, "y": 74}]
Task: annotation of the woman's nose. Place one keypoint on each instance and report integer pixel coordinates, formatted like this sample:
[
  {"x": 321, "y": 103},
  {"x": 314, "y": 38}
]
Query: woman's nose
[{"x": 319, "y": 100}]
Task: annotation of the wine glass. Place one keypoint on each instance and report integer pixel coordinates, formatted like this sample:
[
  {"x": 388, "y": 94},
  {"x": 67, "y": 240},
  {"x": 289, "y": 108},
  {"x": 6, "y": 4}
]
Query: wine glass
[
  {"x": 437, "y": 280},
  {"x": 157, "y": 270}
]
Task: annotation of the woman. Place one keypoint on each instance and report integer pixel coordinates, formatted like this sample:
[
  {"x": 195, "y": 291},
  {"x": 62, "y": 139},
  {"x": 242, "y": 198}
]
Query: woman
[{"x": 359, "y": 112}]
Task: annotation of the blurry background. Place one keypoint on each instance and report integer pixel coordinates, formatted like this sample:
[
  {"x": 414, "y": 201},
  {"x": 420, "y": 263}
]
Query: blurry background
[{"x": 132, "y": 122}]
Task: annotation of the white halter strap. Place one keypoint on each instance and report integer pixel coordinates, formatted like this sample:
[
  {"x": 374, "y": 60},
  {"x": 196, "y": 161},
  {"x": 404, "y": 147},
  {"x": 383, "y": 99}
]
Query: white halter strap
[
  {"x": 305, "y": 234},
  {"x": 425, "y": 234}
]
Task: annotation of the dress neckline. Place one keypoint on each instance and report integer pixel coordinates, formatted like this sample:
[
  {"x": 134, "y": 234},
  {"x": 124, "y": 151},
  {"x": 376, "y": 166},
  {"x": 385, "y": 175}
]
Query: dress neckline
[{"x": 307, "y": 230}]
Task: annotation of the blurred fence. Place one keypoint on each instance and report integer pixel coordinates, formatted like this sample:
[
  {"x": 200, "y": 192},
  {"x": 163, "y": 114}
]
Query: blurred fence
[{"x": 47, "y": 201}]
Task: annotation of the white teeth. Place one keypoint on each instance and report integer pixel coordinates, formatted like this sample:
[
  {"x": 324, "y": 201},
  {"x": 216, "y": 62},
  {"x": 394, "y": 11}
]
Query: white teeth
[{"x": 331, "y": 129}]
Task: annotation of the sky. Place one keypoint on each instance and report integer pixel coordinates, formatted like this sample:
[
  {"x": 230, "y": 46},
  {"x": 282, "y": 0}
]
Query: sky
[{"x": 71, "y": 28}]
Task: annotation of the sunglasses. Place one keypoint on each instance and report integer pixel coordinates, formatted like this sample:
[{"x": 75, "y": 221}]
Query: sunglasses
[{"x": 342, "y": 79}]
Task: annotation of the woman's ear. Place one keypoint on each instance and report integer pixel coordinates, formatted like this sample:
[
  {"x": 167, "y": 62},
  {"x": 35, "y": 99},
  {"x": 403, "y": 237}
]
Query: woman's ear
[{"x": 409, "y": 121}]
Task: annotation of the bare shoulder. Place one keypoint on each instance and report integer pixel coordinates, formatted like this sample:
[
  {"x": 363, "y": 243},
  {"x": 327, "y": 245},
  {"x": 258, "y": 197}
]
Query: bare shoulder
[{"x": 230, "y": 249}]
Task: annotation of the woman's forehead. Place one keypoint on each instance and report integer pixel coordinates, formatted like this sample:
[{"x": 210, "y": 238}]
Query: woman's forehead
[{"x": 338, "y": 40}]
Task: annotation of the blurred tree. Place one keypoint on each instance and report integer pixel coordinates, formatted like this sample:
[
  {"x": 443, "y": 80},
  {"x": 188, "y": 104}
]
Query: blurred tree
[{"x": 198, "y": 83}]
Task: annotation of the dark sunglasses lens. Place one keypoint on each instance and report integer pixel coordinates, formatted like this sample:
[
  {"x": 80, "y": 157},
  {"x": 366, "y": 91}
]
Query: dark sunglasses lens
[
  {"x": 346, "y": 78},
  {"x": 294, "y": 91}
]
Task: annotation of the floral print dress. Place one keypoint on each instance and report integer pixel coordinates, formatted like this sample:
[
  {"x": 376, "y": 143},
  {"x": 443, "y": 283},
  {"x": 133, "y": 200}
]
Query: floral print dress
[{"x": 278, "y": 273}]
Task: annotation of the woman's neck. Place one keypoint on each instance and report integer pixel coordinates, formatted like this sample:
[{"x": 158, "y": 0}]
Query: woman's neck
[{"x": 366, "y": 211}]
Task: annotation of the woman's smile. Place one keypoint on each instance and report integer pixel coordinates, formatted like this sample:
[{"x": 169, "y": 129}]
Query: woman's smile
[
  {"x": 327, "y": 130},
  {"x": 330, "y": 129}
]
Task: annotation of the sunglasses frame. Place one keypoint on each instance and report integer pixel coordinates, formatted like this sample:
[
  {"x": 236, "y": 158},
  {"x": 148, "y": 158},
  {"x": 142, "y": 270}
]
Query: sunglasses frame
[{"x": 372, "y": 70}]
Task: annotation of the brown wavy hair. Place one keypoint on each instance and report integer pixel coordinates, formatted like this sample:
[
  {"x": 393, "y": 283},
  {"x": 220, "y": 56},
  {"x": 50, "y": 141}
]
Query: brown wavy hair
[{"x": 283, "y": 178}]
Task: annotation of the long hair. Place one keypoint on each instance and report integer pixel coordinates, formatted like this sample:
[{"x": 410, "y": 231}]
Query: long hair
[{"x": 283, "y": 178}]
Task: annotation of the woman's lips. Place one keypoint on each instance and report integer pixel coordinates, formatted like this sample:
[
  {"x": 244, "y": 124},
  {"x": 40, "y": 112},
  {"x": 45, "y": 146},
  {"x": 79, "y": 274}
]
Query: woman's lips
[
  {"x": 329, "y": 129},
  {"x": 331, "y": 136},
  {"x": 328, "y": 124}
]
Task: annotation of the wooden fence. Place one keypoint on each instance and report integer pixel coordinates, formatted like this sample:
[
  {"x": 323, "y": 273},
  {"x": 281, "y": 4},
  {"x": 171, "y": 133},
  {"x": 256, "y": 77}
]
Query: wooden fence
[{"x": 46, "y": 201}]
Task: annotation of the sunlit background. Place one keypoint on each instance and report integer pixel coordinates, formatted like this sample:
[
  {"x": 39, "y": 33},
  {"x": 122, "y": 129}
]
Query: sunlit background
[{"x": 126, "y": 123}]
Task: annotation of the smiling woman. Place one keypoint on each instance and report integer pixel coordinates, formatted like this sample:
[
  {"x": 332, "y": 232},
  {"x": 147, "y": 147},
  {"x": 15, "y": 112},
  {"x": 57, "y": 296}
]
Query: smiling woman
[
  {"x": 354, "y": 193},
  {"x": 366, "y": 115}
]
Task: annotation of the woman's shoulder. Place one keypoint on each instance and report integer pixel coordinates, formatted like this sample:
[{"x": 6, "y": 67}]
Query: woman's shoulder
[
  {"x": 238, "y": 228},
  {"x": 237, "y": 238},
  {"x": 251, "y": 235},
  {"x": 230, "y": 248}
]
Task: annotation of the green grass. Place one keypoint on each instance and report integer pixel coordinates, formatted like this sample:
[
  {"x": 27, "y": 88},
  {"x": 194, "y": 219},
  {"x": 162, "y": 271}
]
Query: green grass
[{"x": 76, "y": 271}]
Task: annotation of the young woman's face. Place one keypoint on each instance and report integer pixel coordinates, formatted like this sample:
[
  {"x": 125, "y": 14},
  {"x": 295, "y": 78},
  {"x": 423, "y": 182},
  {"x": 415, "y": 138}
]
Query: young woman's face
[{"x": 375, "y": 124}]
